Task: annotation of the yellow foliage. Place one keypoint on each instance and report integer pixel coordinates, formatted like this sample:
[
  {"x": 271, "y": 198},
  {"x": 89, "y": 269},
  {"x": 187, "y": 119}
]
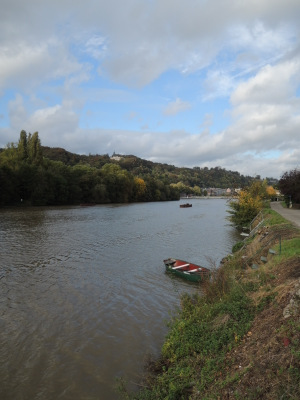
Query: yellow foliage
[
  {"x": 141, "y": 186},
  {"x": 271, "y": 191},
  {"x": 247, "y": 200}
]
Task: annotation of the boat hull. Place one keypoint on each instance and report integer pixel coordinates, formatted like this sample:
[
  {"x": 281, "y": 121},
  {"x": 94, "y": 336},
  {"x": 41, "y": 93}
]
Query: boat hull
[{"x": 188, "y": 271}]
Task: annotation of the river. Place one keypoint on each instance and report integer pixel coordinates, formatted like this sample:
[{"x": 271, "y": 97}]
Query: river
[{"x": 84, "y": 298}]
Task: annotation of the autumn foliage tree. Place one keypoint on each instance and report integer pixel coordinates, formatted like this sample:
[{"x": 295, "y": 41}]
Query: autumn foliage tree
[
  {"x": 271, "y": 192},
  {"x": 140, "y": 188},
  {"x": 249, "y": 203}
]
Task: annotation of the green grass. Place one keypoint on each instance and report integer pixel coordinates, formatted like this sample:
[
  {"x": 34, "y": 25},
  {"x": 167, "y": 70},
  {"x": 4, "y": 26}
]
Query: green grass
[
  {"x": 273, "y": 218},
  {"x": 194, "y": 351},
  {"x": 237, "y": 247},
  {"x": 289, "y": 248}
]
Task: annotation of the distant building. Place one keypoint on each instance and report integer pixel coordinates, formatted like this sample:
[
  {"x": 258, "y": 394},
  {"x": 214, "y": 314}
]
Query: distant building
[{"x": 116, "y": 157}]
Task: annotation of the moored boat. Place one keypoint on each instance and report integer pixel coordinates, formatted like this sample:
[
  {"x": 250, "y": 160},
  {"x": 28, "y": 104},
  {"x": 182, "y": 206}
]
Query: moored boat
[
  {"x": 188, "y": 271},
  {"x": 185, "y": 205}
]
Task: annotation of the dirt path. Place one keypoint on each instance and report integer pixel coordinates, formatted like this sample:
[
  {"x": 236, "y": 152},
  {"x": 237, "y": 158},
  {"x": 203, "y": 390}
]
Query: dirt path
[{"x": 287, "y": 213}]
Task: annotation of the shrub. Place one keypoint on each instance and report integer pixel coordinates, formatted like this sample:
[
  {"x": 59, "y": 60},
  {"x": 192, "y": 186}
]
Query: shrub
[{"x": 236, "y": 247}]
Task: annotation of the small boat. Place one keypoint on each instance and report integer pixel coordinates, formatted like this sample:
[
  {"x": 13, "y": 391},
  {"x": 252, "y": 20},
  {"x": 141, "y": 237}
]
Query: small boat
[
  {"x": 186, "y": 205},
  {"x": 190, "y": 272}
]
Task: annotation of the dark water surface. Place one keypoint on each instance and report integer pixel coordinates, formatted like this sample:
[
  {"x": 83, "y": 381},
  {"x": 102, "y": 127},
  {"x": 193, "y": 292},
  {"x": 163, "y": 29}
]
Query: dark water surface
[{"x": 83, "y": 293}]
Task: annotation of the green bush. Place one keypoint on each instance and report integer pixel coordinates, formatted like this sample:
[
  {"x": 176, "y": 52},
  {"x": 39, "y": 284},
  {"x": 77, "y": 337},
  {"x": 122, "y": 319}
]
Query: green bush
[{"x": 236, "y": 247}]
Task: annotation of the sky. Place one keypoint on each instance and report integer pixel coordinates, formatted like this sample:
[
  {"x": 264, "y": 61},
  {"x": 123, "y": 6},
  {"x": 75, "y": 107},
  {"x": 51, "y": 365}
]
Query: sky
[{"x": 193, "y": 83}]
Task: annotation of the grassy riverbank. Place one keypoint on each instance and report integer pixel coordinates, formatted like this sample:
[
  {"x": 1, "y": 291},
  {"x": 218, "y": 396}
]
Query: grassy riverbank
[{"x": 242, "y": 339}]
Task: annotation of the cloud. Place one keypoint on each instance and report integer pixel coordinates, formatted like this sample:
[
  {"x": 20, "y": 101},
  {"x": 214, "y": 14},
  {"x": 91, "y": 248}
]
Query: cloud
[
  {"x": 72, "y": 62},
  {"x": 138, "y": 42},
  {"x": 96, "y": 47},
  {"x": 25, "y": 66},
  {"x": 272, "y": 84},
  {"x": 176, "y": 107},
  {"x": 266, "y": 109},
  {"x": 53, "y": 123}
]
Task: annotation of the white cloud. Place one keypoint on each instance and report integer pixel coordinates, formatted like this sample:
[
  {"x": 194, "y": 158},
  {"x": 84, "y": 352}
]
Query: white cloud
[
  {"x": 25, "y": 66},
  {"x": 272, "y": 84},
  {"x": 96, "y": 47},
  {"x": 247, "y": 52},
  {"x": 266, "y": 109},
  {"x": 176, "y": 107},
  {"x": 52, "y": 123}
]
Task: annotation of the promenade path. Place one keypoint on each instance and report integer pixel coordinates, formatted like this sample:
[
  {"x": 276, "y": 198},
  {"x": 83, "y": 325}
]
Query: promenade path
[{"x": 287, "y": 213}]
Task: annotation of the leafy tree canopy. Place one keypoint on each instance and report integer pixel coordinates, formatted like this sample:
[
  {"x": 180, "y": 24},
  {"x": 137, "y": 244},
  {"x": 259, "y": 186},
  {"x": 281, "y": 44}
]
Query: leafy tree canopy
[
  {"x": 249, "y": 203},
  {"x": 289, "y": 185}
]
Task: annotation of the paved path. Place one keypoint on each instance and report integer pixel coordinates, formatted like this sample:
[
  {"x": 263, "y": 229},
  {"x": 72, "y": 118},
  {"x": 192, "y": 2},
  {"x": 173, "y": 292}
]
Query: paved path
[{"x": 287, "y": 213}]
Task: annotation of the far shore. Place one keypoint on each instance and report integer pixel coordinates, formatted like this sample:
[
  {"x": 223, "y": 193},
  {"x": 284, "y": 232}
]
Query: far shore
[{"x": 207, "y": 197}]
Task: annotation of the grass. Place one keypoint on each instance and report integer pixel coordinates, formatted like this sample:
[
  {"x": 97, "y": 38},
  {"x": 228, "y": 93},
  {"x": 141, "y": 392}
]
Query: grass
[
  {"x": 273, "y": 217},
  {"x": 196, "y": 346},
  {"x": 228, "y": 343},
  {"x": 290, "y": 248}
]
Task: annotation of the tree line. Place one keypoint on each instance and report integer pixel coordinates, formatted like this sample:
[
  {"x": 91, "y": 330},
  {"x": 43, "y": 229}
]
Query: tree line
[
  {"x": 28, "y": 177},
  {"x": 36, "y": 175},
  {"x": 187, "y": 180}
]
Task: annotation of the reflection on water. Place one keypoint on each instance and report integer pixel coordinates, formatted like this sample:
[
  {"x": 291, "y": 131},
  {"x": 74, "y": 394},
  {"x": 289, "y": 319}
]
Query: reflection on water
[{"x": 84, "y": 297}]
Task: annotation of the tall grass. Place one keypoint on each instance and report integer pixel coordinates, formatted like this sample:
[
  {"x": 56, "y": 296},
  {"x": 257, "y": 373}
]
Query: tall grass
[
  {"x": 274, "y": 218},
  {"x": 289, "y": 248}
]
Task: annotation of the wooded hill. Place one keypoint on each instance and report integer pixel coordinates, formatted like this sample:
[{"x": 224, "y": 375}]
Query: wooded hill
[
  {"x": 186, "y": 178},
  {"x": 32, "y": 174}
]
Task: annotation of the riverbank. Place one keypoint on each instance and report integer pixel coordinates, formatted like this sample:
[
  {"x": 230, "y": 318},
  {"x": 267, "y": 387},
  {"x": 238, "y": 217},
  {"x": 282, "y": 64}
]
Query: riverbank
[
  {"x": 240, "y": 340},
  {"x": 292, "y": 215}
]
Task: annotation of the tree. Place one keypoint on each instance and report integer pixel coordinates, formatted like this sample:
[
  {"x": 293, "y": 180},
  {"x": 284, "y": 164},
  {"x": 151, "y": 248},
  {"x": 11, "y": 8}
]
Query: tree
[
  {"x": 119, "y": 183},
  {"x": 248, "y": 204},
  {"x": 271, "y": 192},
  {"x": 140, "y": 189},
  {"x": 197, "y": 190},
  {"x": 289, "y": 185},
  {"x": 35, "y": 153},
  {"x": 22, "y": 146}
]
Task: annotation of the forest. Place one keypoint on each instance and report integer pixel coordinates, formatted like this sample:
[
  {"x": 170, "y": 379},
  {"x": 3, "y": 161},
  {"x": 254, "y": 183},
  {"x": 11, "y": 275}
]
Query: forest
[{"x": 31, "y": 174}]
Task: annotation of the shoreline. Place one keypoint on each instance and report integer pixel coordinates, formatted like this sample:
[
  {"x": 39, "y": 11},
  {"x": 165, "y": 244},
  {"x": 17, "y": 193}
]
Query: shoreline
[{"x": 242, "y": 331}]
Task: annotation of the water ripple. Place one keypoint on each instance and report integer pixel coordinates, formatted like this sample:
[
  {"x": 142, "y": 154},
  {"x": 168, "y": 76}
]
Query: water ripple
[{"x": 84, "y": 296}]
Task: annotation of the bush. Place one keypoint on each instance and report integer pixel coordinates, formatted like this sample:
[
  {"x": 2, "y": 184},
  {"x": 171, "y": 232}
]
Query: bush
[{"x": 236, "y": 247}]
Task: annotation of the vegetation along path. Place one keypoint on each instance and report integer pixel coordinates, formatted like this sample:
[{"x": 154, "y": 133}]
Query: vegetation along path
[{"x": 287, "y": 213}]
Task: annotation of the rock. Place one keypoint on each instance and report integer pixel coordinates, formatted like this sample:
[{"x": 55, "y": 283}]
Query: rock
[{"x": 293, "y": 308}]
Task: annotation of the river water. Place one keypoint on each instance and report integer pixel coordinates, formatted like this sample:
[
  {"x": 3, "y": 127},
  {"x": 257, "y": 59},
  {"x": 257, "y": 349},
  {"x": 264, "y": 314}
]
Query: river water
[{"x": 83, "y": 293}]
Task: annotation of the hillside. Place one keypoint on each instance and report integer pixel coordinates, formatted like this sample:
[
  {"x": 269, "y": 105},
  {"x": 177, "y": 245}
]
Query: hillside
[
  {"x": 32, "y": 174},
  {"x": 72, "y": 159},
  {"x": 168, "y": 174}
]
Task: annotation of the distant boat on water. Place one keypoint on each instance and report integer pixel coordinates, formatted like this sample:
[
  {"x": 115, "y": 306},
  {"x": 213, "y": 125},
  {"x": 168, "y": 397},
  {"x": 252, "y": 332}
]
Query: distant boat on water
[{"x": 185, "y": 205}]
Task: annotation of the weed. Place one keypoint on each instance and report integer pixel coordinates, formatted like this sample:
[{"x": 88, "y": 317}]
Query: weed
[
  {"x": 237, "y": 247},
  {"x": 250, "y": 286},
  {"x": 265, "y": 301}
]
